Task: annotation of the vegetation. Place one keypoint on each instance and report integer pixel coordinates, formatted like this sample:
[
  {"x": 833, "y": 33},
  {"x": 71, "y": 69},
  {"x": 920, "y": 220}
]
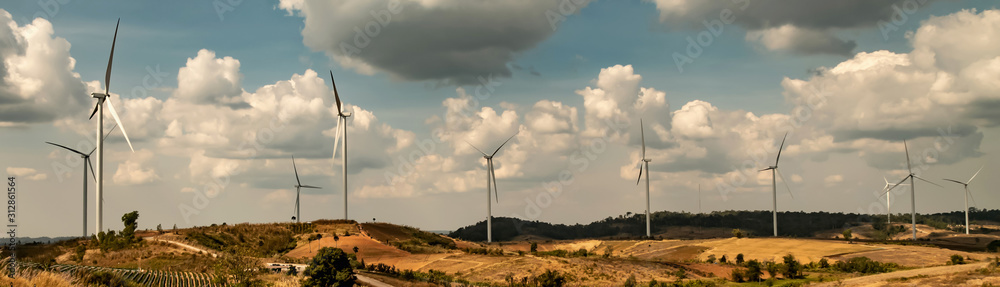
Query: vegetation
[
  {"x": 863, "y": 265},
  {"x": 126, "y": 239},
  {"x": 237, "y": 269},
  {"x": 993, "y": 246},
  {"x": 847, "y": 235},
  {"x": 330, "y": 267},
  {"x": 258, "y": 240},
  {"x": 791, "y": 268},
  {"x": 956, "y": 260}
]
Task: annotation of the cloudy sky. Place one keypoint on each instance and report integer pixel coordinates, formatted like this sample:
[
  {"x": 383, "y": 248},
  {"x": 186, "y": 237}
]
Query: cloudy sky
[{"x": 217, "y": 96}]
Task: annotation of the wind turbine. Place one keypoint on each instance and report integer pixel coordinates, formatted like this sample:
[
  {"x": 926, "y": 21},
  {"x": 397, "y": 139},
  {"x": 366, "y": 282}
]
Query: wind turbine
[
  {"x": 341, "y": 127},
  {"x": 774, "y": 184},
  {"x": 913, "y": 194},
  {"x": 888, "y": 201},
  {"x": 491, "y": 176},
  {"x": 643, "y": 163},
  {"x": 298, "y": 186},
  {"x": 86, "y": 162},
  {"x": 967, "y": 195},
  {"x": 99, "y": 108}
]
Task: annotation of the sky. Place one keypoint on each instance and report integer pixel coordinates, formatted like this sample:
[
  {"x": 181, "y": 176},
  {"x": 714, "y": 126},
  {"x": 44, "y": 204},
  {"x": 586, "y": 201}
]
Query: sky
[{"x": 217, "y": 96}]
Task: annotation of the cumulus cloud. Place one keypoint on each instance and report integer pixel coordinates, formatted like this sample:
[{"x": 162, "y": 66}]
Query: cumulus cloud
[
  {"x": 37, "y": 82},
  {"x": 136, "y": 169},
  {"x": 27, "y": 173},
  {"x": 420, "y": 40},
  {"x": 833, "y": 180}
]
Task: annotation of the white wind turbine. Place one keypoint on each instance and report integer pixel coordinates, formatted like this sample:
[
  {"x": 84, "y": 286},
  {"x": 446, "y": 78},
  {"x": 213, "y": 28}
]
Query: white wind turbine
[
  {"x": 491, "y": 177},
  {"x": 967, "y": 195},
  {"x": 341, "y": 128},
  {"x": 774, "y": 184},
  {"x": 913, "y": 194},
  {"x": 99, "y": 108},
  {"x": 643, "y": 163},
  {"x": 888, "y": 200},
  {"x": 298, "y": 186},
  {"x": 86, "y": 163}
]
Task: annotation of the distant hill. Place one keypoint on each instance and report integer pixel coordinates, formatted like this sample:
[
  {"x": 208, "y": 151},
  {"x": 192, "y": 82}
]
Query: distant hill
[
  {"x": 759, "y": 223},
  {"x": 43, "y": 240}
]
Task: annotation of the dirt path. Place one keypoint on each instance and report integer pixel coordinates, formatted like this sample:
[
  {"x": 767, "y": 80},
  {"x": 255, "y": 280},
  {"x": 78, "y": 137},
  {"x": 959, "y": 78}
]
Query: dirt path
[
  {"x": 931, "y": 271},
  {"x": 189, "y": 247},
  {"x": 371, "y": 281}
]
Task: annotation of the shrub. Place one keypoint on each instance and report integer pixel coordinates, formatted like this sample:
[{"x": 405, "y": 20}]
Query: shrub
[
  {"x": 863, "y": 265},
  {"x": 737, "y": 233},
  {"x": 550, "y": 278},
  {"x": 534, "y": 247},
  {"x": 711, "y": 258},
  {"x": 824, "y": 264},
  {"x": 792, "y": 268},
  {"x": 957, "y": 260},
  {"x": 330, "y": 267},
  {"x": 739, "y": 259},
  {"x": 754, "y": 271},
  {"x": 847, "y": 235},
  {"x": 631, "y": 281},
  {"x": 772, "y": 268},
  {"x": 723, "y": 259},
  {"x": 737, "y": 275}
]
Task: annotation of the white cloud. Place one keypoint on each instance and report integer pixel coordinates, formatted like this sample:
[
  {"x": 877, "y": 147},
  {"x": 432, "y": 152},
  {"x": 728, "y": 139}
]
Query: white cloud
[
  {"x": 833, "y": 180},
  {"x": 136, "y": 169},
  {"x": 800, "y": 40},
  {"x": 26, "y": 173}
]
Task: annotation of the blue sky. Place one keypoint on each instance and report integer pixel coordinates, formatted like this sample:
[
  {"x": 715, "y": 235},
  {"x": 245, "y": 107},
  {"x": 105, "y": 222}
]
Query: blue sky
[{"x": 734, "y": 75}]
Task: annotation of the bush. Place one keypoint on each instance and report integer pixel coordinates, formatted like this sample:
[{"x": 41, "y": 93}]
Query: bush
[
  {"x": 863, "y": 265},
  {"x": 551, "y": 278},
  {"x": 534, "y": 247},
  {"x": 847, "y": 235},
  {"x": 631, "y": 281},
  {"x": 739, "y": 259},
  {"x": 711, "y": 258},
  {"x": 824, "y": 264},
  {"x": 737, "y": 233},
  {"x": 792, "y": 268},
  {"x": 723, "y": 259},
  {"x": 737, "y": 275},
  {"x": 330, "y": 267},
  {"x": 957, "y": 260},
  {"x": 754, "y": 271}
]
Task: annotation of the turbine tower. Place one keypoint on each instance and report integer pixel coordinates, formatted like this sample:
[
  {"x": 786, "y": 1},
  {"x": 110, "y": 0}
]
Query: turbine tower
[
  {"x": 967, "y": 195},
  {"x": 99, "y": 108},
  {"x": 913, "y": 194},
  {"x": 643, "y": 163},
  {"x": 774, "y": 184},
  {"x": 86, "y": 163},
  {"x": 341, "y": 128},
  {"x": 298, "y": 186},
  {"x": 888, "y": 201},
  {"x": 491, "y": 177}
]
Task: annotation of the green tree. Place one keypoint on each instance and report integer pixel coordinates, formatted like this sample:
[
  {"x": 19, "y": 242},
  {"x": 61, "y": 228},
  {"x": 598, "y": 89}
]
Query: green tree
[
  {"x": 739, "y": 259},
  {"x": 711, "y": 258},
  {"x": 330, "y": 267},
  {"x": 534, "y": 247},
  {"x": 237, "y": 269},
  {"x": 957, "y": 260},
  {"x": 792, "y": 268},
  {"x": 131, "y": 223},
  {"x": 723, "y": 259},
  {"x": 292, "y": 271},
  {"x": 355, "y": 250},
  {"x": 159, "y": 229},
  {"x": 737, "y": 233},
  {"x": 754, "y": 271},
  {"x": 847, "y": 235}
]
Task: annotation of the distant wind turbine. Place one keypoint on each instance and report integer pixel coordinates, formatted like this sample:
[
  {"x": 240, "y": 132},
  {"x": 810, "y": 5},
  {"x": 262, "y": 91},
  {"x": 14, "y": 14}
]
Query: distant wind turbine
[
  {"x": 341, "y": 127},
  {"x": 888, "y": 201},
  {"x": 774, "y": 184},
  {"x": 99, "y": 108},
  {"x": 913, "y": 194},
  {"x": 643, "y": 163},
  {"x": 86, "y": 164},
  {"x": 967, "y": 195},
  {"x": 491, "y": 177},
  {"x": 298, "y": 186}
]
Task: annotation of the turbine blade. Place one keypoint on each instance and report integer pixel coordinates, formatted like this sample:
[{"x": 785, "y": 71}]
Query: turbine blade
[
  {"x": 967, "y": 191},
  {"x": 898, "y": 184},
  {"x": 493, "y": 175},
  {"x": 977, "y": 173},
  {"x": 296, "y": 169},
  {"x": 505, "y": 142},
  {"x": 336, "y": 95},
  {"x": 107, "y": 76},
  {"x": 955, "y": 181},
  {"x": 65, "y": 147},
  {"x": 99, "y": 102},
  {"x": 785, "y": 182},
  {"x": 91, "y": 165},
  {"x": 310, "y": 186},
  {"x": 928, "y": 181},
  {"x": 779, "y": 149},
  {"x": 336, "y": 138},
  {"x": 642, "y": 134},
  {"x": 477, "y": 149},
  {"x": 640, "y": 176},
  {"x": 908, "y": 168},
  {"x": 118, "y": 120},
  {"x": 105, "y": 137}
]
